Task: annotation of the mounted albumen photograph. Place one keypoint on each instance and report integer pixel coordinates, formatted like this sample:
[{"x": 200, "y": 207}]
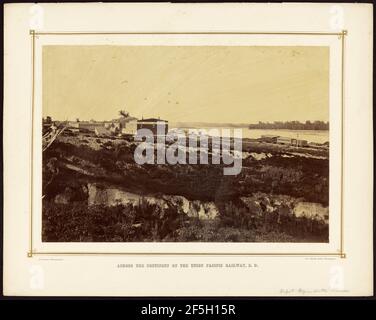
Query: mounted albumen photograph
[{"x": 185, "y": 143}]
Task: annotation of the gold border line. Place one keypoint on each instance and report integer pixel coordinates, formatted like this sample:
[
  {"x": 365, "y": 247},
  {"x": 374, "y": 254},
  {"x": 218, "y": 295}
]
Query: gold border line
[
  {"x": 344, "y": 33},
  {"x": 32, "y": 32},
  {"x": 341, "y": 252},
  {"x": 297, "y": 254},
  {"x": 189, "y": 33}
]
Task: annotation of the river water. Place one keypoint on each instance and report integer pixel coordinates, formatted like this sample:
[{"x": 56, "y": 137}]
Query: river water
[{"x": 317, "y": 136}]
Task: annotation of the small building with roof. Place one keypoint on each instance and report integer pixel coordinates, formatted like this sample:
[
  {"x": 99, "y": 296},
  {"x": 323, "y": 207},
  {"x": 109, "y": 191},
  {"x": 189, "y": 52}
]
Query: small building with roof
[
  {"x": 269, "y": 138},
  {"x": 152, "y": 124}
]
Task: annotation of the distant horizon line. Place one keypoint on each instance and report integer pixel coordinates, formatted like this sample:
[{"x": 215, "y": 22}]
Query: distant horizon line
[{"x": 194, "y": 121}]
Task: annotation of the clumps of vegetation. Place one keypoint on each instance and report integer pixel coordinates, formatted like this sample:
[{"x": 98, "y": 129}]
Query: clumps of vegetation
[
  {"x": 296, "y": 177},
  {"x": 277, "y": 222},
  {"x": 75, "y": 222},
  {"x": 213, "y": 233},
  {"x": 107, "y": 144},
  {"x": 69, "y": 133}
]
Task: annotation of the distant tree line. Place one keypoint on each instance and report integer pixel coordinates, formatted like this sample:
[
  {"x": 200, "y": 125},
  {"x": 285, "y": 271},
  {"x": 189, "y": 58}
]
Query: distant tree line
[{"x": 291, "y": 125}]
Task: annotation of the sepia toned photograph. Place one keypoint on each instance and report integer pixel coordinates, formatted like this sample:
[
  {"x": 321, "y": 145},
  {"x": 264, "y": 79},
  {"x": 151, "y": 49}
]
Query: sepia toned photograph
[
  {"x": 174, "y": 150},
  {"x": 185, "y": 143}
]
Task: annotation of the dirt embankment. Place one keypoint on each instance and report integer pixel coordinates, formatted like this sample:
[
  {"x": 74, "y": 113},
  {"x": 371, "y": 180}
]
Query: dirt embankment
[
  {"x": 256, "y": 205},
  {"x": 111, "y": 161}
]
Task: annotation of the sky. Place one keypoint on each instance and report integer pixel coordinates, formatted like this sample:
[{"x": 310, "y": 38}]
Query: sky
[{"x": 228, "y": 84}]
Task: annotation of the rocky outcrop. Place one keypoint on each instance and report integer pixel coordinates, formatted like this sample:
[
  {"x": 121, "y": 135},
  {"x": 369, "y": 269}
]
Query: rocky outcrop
[
  {"x": 259, "y": 204},
  {"x": 110, "y": 196},
  {"x": 312, "y": 210}
]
